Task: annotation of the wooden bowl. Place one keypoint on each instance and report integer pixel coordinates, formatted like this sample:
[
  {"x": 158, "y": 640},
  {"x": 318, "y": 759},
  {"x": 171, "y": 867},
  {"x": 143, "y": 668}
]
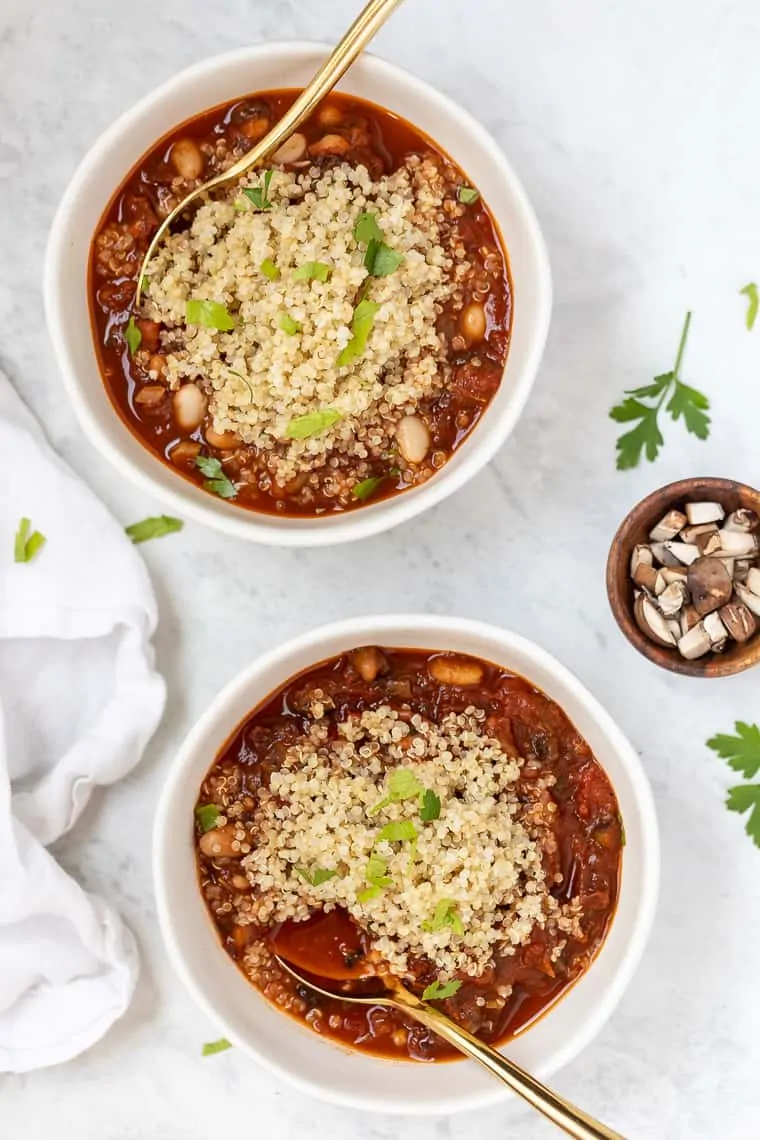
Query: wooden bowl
[{"x": 635, "y": 529}]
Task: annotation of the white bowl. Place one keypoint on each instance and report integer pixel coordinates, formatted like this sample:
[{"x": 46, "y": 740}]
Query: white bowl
[
  {"x": 222, "y": 79},
  {"x": 285, "y": 1046}
]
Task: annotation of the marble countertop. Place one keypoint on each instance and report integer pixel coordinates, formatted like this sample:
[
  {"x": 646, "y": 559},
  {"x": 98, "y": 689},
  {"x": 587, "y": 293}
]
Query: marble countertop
[{"x": 634, "y": 128}]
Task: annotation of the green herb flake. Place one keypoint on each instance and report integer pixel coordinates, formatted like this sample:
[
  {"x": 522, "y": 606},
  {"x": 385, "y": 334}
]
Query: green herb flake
[
  {"x": 439, "y": 991},
  {"x": 207, "y": 816},
  {"x": 361, "y": 326},
  {"x": 312, "y": 271},
  {"x": 742, "y": 751},
  {"x": 288, "y": 325},
  {"x": 380, "y": 260},
  {"x": 369, "y": 893},
  {"x": 398, "y": 831},
  {"x": 446, "y": 914},
  {"x": 467, "y": 195},
  {"x": 269, "y": 269},
  {"x": 376, "y": 872},
  {"x": 430, "y": 808},
  {"x": 313, "y": 423},
  {"x": 260, "y": 195},
  {"x": 209, "y": 315},
  {"x": 216, "y": 481},
  {"x": 402, "y": 784},
  {"x": 212, "y": 1047},
  {"x": 316, "y": 876},
  {"x": 685, "y": 403},
  {"x": 27, "y": 545},
  {"x": 364, "y": 490},
  {"x": 132, "y": 336},
  {"x": 155, "y": 527},
  {"x": 366, "y": 229},
  {"x": 751, "y": 293}
]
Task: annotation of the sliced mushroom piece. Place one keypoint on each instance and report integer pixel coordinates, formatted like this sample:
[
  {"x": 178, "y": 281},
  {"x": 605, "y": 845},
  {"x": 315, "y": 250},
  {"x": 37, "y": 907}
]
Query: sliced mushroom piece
[
  {"x": 223, "y": 440},
  {"x": 709, "y": 584},
  {"x": 668, "y": 527},
  {"x": 689, "y": 618},
  {"x": 640, "y": 556},
  {"x": 716, "y": 631},
  {"x": 742, "y": 568},
  {"x": 675, "y": 627},
  {"x": 291, "y": 150},
  {"x": 698, "y": 513},
  {"x": 692, "y": 533},
  {"x": 684, "y": 552},
  {"x": 674, "y": 574},
  {"x": 751, "y": 601},
  {"x": 695, "y": 643},
  {"x": 663, "y": 555},
  {"x": 753, "y": 580},
  {"x": 708, "y": 543},
  {"x": 646, "y": 576},
  {"x": 738, "y": 543},
  {"x": 672, "y": 599},
  {"x": 369, "y": 661},
  {"x": 651, "y": 622},
  {"x": 743, "y": 519},
  {"x": 738, "y": 620}
]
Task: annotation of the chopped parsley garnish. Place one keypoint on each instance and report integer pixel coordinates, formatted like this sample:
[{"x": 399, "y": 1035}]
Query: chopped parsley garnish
[
  {"x": 366, "y": 229},
  {"x": 207, "y": 816},
  {"x": 467, "y": 195},
  {"x": 209, "y": 315},
  {"x": 212, "y": 1047},
  {"x": 367, "y": 487},
  {"x": 430, "y": 808},
  {"x": 743, "y": 754},
  {"x": 302, "y": 427},
  {"x": 155, "y": 527},
  {"x": 398, "y": 831},
  {"x": 312, "y": 271},
  {"x": 380, "y": 260},
  {"x": 132, "y": 336},
  {"x": 27, "y": 545},
  {"x": 361, "y": 326},
  {"x": 316, "y": 875},
  {"x": 438, "y": 991},
  {"x": 216, "y": 481},
  {"x": 288, "y": 325},
  {"x": 376, "y": 871},
  {"x": 750, "y": 292},
  {"x": 684, "y": 402},
  {"x": 402, "y": 784},
  {"x": 446, "y": 914},
  {"x": 260, "y": 195},
  {"x": 269, "y": 269},
  {"x": 369, "y": 893}
]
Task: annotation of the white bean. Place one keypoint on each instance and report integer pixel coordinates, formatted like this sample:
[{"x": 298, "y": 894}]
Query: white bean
[
  {"x": 472, "y": 321},
  {"x": 413, "y": 438},
  {"x": 291, "y": 150},
  {"x": 218, "y": 843},
  {"x": 224, "y": 440},
  {"x": 455, "y": 671},
  {"x": 189, "y": 407},
  {"x": 187, "y": 159}
]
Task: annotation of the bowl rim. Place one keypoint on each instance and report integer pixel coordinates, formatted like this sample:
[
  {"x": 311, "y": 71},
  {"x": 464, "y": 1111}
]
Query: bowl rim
[
  {"x": 675, "y": 492},
  {"x": 364, "y": 628},
  {"x": 368, "y": 520}
]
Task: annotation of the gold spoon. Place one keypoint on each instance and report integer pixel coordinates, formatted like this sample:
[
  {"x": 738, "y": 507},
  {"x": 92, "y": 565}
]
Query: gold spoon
[
  {"x": 394, "y": 995},
  {"x": 363, "y": 29}
]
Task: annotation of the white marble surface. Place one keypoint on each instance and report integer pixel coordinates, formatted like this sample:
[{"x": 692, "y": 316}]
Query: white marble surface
[{"x": 634, "y": 128}]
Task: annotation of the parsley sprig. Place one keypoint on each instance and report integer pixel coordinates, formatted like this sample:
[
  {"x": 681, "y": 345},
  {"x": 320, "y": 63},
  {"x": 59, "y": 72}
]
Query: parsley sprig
[
  {"x": 684, "y": 403},
  {"x": 743, "y": 754}
]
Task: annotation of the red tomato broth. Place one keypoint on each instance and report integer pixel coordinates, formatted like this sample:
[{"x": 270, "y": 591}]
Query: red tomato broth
[
  {"x": 153, "y": 186},
  {"x": 331, "y": 945}
]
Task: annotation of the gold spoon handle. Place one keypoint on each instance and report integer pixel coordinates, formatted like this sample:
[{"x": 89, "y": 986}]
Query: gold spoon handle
[
  {"x": 560, "y": 1111},
  {"x": 365, "y": 26}
]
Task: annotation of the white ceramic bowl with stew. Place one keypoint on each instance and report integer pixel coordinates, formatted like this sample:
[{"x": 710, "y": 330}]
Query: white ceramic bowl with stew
[
  {"x": 222, "y": 79},
  {"x": 287, "y": 1047}
]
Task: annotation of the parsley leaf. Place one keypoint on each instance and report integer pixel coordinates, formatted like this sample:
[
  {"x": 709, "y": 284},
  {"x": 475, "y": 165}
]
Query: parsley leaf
[
  {"x": 27, "y": 545},
  {"x": 316, "y": 876},
  {"x": 402, "y": 784},
  {"x": 258, "y": 195},
  {"x": 369, "y": 893},
  {"x": 367, "y": 487},
  {"x": 269, "y": 269},
  {"x": 216, "y": 481},
  {"x": 132, "y": 336},
  {"x": 207, "y": 816},
  {"x": 366, "y": 229},
  {"x": 361, "y": 326},
  {"x": 750, "y": 292},
  {"x": 398, "y": 831},
  {"x": 212, "y": 1047},
  {"x": 312, "y": 271},
  {"x": 380, "y": 260},
  {"x": 685, "y": 403},
  {"x": 209, "y": 315},
  {"x": 313, "y": 423},
  {"x": 446, "y": 914},
  {"x": 746, "y": 797},
  {"x": 288, "y": 325},
  {"x": 742, "y": 751},
  {"x": 430, "y": 808},
  {"x": 468, "y": 195},
  {"x": 155, "y": 527},
  {"x": 376, "y": 872},
  {"x": 437, "y": 991}
]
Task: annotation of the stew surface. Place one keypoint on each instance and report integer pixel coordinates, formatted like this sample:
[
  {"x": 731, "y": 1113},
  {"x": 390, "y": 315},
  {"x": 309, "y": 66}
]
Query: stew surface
[
  {"x": 190, "y": 416},
  {"x": 559, "y": 795}
]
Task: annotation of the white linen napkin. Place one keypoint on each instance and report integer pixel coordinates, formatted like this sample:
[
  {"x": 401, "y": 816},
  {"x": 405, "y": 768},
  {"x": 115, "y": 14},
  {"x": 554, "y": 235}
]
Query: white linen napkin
[{"x": 79, "y": 699}]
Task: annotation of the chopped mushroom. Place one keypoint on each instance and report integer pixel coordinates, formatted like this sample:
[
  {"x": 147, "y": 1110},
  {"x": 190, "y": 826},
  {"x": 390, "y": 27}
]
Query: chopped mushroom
[
  {"x": 738, "y": 620},
  {"x": 668, "y": 527},
  {"x": 651, "y": 622},
  {"x": 709, "y": 585},
  {"x": 695, "y": 643},
  {"x": 698, "y": 513}
]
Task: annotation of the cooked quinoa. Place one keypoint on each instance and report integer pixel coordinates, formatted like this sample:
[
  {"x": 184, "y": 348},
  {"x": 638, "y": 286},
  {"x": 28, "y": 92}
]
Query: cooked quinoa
[{"x": 259, "y": 377}]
